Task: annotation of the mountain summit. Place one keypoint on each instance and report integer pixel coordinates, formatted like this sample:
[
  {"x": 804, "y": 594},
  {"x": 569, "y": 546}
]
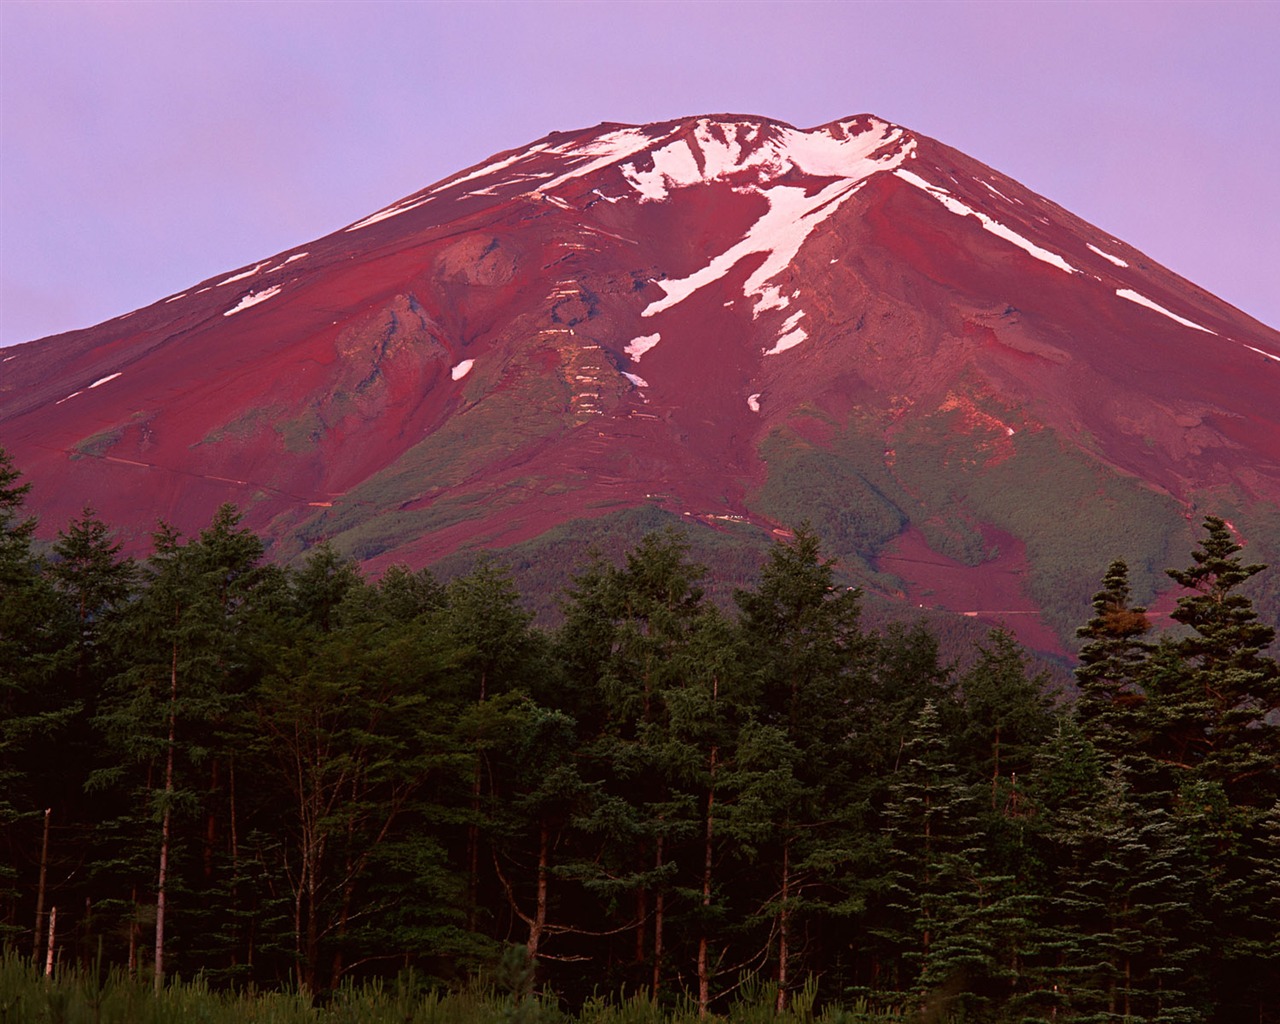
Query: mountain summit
[{"x": 977, "y": 398}]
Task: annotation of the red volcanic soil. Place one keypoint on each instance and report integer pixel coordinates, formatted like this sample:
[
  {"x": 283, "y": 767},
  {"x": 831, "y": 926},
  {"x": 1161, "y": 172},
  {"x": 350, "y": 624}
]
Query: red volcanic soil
[
  {"x": 990, "y": 592},
  {"x": 461, "y": 368}
]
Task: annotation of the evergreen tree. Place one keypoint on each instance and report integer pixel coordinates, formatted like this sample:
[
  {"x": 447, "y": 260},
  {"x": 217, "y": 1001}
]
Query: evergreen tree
[
  {"x": 1007, "y": 715},
  {"x": 1122, "y": 930},
  {"x": 188, "y": 643},
  {"x": 933, "y": 886},
  {"x": 1230, "y": 687},
  {"x": 1112, "y": 659},
  {"x": 802, "y": 636},
  {"x": 33, "y": 711}
]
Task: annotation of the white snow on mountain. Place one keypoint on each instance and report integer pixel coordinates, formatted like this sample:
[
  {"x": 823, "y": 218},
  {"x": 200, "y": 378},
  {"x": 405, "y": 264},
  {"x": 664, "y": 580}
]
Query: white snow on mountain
[
  {"x": 1142, "y": 300},
  {"x": 959, "y": 207},
  {"x": 1107, "y": 256},
  {"x": 253, "y": 298},
  {"x": 637, "y": 347}
]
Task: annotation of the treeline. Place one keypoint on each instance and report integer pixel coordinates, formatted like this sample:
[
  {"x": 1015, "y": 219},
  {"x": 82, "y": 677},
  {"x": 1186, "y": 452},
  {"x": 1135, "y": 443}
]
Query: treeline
[{"x": 301, "y": 778}]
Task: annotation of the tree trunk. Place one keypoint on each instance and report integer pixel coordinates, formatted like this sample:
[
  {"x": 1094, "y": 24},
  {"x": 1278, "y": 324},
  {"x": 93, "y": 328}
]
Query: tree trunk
[
  {"x": 162, "y": 874},
  {"x": 539, "y": 922},
  {"x": 44, "y": 869},
  {"x": 53, "y": 928},
  {"x": 473, "y": 830},
  {"x": 134, "y": 934},
  {"x": 784, "y": 928},
  {"x": 704, "y": 963},
  {"x": 659, "y": 910},
  {"x": 211, "y": 822}
]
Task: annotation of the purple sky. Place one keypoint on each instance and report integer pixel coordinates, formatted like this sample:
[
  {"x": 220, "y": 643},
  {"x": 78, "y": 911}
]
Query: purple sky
[{"x": 147, "y": 146}]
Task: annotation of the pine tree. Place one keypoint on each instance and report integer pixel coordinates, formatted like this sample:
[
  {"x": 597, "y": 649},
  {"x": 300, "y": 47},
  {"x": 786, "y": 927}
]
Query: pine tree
[
  {"x": 1007, "y": 715},
  {"x": 803, "y": 636},
  {"x": 1112, "y": 659},
  {"x": 1230, "y": 686},
  {"x": 1123, "y": 933},
  {"x": 935, "y": 883},
  {"x": 33, "y": 710},
  {"x": 188, "y": 644}
]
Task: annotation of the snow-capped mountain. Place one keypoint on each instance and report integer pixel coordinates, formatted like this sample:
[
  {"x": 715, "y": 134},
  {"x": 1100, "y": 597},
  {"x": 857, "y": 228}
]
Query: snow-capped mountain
[{"x": 967, "y": 389}]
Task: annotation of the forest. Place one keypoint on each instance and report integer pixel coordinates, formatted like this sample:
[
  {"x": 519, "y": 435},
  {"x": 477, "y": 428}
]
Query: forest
[{"x": 296, "y": 780}]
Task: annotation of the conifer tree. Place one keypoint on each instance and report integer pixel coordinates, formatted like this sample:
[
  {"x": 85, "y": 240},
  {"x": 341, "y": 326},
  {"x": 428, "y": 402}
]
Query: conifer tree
[
  {"x": 802, "y": 636},
  {"x": 1007, "y": 714},
  {"x": 932, "y": 882},
  {"x": 1230, "y": 686},
  {"x": 188, "y": 644},
  {"x": 1123, "y": 933},
  {"x": 1112, "y": 659}
]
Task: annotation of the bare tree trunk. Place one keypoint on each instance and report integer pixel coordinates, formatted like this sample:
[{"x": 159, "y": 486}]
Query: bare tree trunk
[
  {"x": 53, "y": 927},
  {"x": 473, "y": 850},
  {"x": 44, "y": 869},
  {"x": 473, "y": 830},
  {"x": 166, "y": 822},
  {"x": 642, "y": 913},
  {"x": 704, "y": 963},
  {"x": 539, "y": 923},
  {"x": 235, "y": 852},
  {"x": 659, "y": 911},
  {"x": 134, "y": 935},
  {"x": 784, "y": 928}
]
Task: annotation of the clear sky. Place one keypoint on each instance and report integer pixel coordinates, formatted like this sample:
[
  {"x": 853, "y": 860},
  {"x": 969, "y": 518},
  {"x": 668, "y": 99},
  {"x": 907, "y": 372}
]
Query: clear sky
[{"x": 149, "y": 145}]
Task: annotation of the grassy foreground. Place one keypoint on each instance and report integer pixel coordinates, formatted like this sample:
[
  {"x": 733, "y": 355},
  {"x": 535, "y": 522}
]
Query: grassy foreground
[{"x": 78, "y": 996}]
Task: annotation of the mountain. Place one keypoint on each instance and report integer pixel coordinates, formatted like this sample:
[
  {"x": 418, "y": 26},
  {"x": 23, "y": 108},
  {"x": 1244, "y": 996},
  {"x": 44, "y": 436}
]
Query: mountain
[{"x": 977, "y": 398}]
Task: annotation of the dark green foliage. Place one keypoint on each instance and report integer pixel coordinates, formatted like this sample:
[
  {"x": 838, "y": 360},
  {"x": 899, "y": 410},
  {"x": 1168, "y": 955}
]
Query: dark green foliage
[
  {"x": 1112, "y": 658},
  {"x": 1064, "y": 506},
  {"x": 1230, "y": 687},
  {"x": 850, "y": 508},
  {"x": 299, "y": 779}
]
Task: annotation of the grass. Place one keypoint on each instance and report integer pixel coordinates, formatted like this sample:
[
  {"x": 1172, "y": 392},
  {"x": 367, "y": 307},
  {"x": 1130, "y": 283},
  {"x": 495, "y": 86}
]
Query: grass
[{"x": 90, "y": 996}]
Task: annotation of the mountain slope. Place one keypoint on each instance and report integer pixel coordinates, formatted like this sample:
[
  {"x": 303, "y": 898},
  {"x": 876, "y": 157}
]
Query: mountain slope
[{"x": 978, "y": 398}]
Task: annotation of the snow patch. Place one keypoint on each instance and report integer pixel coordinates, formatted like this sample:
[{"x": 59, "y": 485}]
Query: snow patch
[
  {"x": 1107, "y": 256},
  {"x": 778, "y": 234},
  {"x": 243, "y": 274},
  {"x": 789, "y": 340},
  {"x": 69, "y": 397},
  {"x": 175, "y": 298},
  {"x": 1249, "y": 347},
  {"x": 990, "y": 224},
  {"x": 484, "y": 170},
  {"x": 462, "y": 369},
  {"x": 637, "y": 347},
  {"x": 639, "y": 382},
  {"x": 721, "y": 149},
  {"x": 1142, "y": 300},
  {"x": 991, "y": 188},
  {"x": 607, "y": 149},
  {"x": 753, "y": 402},
  {"x": 102, "y": 380},
  {"x": 253, "y": 298},
  {"x": 391, "y": 211}
]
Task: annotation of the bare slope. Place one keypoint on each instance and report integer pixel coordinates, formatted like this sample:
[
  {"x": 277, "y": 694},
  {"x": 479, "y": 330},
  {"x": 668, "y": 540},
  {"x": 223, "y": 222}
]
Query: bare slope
[{"x": 977, "y": 397}]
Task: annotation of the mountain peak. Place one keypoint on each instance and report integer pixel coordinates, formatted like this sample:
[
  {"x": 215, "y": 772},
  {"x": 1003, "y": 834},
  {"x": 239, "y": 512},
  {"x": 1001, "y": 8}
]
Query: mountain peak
[{"x": 722, "y": 319}]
